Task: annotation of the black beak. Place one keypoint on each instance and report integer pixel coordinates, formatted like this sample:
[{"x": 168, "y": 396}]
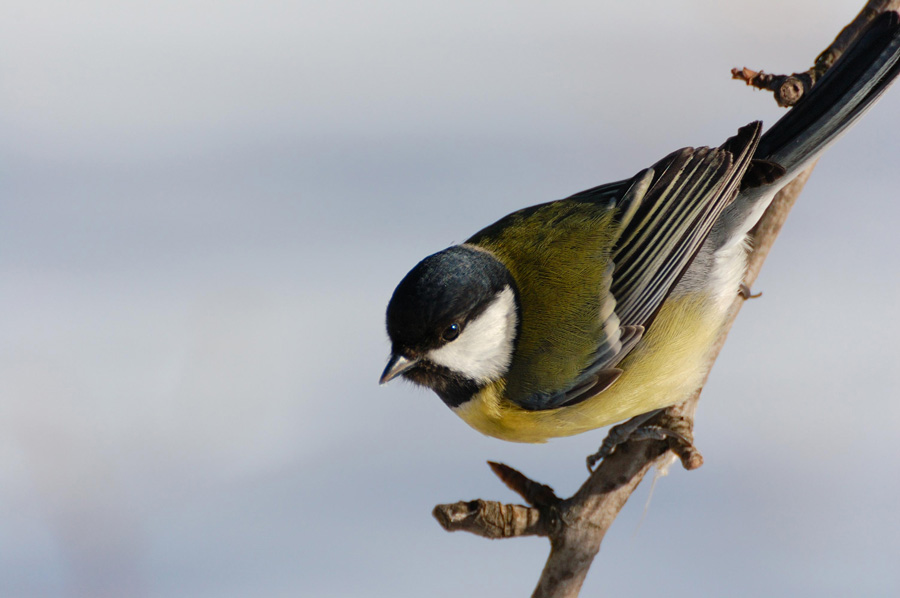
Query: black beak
[{"x": 396, "y": 366}]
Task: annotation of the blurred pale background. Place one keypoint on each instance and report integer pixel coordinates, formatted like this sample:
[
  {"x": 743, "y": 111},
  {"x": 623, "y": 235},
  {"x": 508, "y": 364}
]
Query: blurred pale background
[{"x": 205, "y": 208}]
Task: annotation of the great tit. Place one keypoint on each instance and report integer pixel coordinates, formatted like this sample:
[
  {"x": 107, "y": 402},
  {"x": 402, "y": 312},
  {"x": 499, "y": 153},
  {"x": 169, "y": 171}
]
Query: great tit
[{"x": 582, "y": 312}]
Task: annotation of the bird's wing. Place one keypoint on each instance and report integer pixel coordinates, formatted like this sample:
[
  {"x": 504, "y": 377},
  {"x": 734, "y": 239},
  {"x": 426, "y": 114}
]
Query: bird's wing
[{"x": 593, "y": 269}]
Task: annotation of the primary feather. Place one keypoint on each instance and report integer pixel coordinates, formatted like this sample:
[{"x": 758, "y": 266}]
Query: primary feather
[{"x": 600, "y": 263}]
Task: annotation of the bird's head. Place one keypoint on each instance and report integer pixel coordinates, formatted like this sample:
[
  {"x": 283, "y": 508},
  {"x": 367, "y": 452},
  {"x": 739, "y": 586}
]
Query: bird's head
[{"x": 453, "y": 322}]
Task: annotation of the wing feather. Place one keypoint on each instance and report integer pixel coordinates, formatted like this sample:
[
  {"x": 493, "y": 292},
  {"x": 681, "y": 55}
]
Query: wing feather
[{"x": 569, "y": 351}]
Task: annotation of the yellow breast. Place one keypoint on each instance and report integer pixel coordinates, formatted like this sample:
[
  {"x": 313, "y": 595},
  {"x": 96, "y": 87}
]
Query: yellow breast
[{"x": 662, "y": 370}]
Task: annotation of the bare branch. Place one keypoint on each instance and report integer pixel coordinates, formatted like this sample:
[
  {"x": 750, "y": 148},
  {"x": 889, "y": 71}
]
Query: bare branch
[
  {"x": 490, "y": 519},
  {"x": 788, "y": 89}
]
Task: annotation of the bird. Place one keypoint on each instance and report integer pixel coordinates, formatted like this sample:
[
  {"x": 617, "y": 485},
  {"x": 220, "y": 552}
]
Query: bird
[{"x": 582, "y": 312}]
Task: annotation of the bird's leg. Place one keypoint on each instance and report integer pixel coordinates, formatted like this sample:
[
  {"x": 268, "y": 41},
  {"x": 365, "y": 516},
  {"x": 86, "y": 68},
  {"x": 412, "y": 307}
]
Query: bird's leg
[{"x": 636, "y": 428}]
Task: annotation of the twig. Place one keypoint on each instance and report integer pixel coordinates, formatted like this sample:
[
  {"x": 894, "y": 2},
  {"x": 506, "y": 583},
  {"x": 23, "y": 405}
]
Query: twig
[{"x": 788, "y": 89}]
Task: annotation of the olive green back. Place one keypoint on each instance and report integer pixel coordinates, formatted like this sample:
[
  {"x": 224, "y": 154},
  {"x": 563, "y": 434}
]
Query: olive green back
[{"x": 559, "y": 255}]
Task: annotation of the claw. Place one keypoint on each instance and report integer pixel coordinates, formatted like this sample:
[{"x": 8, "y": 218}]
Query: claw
[
  {"x": 634, "y": 429},
  {"x": 619, "y": 435},
  {"x": 746, "y": 293}
]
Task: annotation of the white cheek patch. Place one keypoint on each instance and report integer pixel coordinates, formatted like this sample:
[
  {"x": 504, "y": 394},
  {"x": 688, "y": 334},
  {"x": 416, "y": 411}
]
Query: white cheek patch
[{"x": 483, "y": 351}]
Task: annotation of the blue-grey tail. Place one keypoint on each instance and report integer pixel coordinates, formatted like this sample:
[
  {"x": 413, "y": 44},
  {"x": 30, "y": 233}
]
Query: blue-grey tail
[{"x": 848, "y": 89}]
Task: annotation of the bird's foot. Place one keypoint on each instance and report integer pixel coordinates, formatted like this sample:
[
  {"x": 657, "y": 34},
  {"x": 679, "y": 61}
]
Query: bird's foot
[
  {"x": 746, "y": 293},
  {"x": 676, "y": 430}
]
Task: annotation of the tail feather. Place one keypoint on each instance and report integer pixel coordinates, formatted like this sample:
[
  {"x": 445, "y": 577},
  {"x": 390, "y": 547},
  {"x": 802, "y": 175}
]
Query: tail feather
[
  {"x": 850, "y": 87},
  {"x": 847, "y": 90}
]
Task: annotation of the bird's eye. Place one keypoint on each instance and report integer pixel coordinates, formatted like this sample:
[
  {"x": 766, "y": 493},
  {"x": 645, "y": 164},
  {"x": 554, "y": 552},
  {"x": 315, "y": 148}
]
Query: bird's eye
[{"x": 450, "y": 332}]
